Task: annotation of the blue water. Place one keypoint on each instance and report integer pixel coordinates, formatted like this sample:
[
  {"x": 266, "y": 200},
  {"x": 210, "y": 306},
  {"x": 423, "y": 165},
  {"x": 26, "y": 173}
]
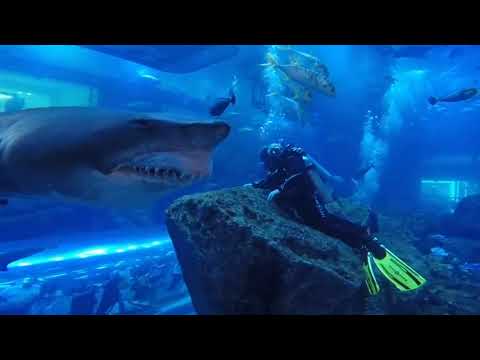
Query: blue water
[{"x": 380, "y": 114}]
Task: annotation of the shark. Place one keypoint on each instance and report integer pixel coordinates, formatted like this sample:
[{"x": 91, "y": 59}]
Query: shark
[{"x": 114, "y": 158}]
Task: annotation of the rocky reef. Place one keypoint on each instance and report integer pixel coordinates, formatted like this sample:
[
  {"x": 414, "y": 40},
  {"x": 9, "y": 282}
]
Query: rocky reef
[
  {"x": 241, "y": 255},
  {"x": 465, "y": 220}
]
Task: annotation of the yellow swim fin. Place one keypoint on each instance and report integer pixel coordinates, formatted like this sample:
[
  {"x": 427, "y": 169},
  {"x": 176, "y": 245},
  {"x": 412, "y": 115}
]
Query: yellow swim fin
[
  {"x": 370, "y": 280},
  {"x": 398, "y": 272}
]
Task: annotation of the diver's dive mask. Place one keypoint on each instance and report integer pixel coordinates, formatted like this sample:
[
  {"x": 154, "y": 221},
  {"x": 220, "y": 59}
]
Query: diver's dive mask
[{"x": 270, "y": 155}]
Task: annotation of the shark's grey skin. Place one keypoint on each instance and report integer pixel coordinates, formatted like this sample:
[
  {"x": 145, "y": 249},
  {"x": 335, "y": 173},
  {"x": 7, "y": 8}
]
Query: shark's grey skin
[{"x": 115, "y": 158}]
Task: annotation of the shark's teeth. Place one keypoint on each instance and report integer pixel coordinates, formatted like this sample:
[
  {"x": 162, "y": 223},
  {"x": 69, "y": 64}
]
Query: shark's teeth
[{"x": 161, "y": 174}]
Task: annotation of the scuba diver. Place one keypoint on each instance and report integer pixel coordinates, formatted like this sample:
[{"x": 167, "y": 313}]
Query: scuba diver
[
  {"x": 461, "y": 95},
  {"x": 300, "y": 187}
]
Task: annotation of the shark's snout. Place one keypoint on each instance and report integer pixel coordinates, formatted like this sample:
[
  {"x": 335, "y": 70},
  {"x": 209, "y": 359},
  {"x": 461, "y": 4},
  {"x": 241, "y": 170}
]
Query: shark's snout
[
  {"x": 202, "y": 135},
  {"x": 184, "y": 157}
]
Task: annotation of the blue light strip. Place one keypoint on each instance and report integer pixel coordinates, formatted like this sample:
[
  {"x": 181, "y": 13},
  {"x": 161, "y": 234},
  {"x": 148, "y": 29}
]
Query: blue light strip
[{"x": 89, "y": 252}]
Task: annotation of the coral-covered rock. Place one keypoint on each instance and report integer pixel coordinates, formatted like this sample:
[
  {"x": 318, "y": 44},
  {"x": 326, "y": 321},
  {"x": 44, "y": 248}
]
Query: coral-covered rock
[
  {"x": 465, "y": 221},
  {"x": 239, "y": 256}
]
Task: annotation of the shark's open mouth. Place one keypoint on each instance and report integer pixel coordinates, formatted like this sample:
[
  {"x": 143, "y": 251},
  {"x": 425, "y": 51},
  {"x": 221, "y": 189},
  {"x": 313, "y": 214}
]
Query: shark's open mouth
[{"x": 173, "y": 168}]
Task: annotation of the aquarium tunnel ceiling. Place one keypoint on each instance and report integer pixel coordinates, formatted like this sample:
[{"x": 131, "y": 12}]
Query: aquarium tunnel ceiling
[{"x": 170, "y": 58}]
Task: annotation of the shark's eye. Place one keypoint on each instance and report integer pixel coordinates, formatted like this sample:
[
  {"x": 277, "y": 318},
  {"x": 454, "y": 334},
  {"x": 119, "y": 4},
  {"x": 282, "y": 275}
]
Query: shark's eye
[{"x": 141, "y": 123}]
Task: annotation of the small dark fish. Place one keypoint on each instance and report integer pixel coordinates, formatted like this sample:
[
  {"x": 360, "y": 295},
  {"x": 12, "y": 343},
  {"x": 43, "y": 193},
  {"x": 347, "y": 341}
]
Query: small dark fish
[
  {"x": 12, "y": 256},
  {"x": 3, "y": 202},
  {"x": 470, "y": 267},
  {"x": 456, "y": 53},
  {"x": 362, "y": 172},
  {"x": 220, "y": 105},
  {"x": 461, "y": 95},
  {"x": 438, "y": 237},
  {"x": 390, "y": 79}
]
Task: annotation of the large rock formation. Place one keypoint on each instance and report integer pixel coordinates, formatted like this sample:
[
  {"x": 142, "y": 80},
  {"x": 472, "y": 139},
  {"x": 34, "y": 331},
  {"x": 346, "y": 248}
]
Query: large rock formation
[
  {"x": 240, "y": 255},
  {"x": 465, "y": 221}
]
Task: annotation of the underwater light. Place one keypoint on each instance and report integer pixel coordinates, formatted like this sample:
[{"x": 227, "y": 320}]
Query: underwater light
[
  {"x": 24, "y": 93},
  {"x": 94, "y": 252},
  {"x": 24, "y": 263},
  {"x": 55, "y": 276},
  {"x": 81, "y": 277},
  {"x": 109, "y": 249},
  {"x": 151, "y": 77},
  {"x": 145, "y": 75},
  {"x": 5, "y": 97}
]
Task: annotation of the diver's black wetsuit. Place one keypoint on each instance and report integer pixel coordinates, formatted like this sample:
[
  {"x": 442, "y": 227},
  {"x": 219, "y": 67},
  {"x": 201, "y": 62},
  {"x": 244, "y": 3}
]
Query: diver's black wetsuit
[
  {"x": 297, "y": 196},
  {"x": 297, "y": 185}
]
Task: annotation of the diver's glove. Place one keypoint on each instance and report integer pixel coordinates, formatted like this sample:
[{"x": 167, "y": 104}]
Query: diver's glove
[{"x": 272, "y": 195}]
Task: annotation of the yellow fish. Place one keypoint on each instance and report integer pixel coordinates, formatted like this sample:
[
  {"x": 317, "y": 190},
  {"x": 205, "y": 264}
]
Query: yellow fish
[
  {"x": 313, "y": 79},
  {"x": 300, "y": 94}
]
